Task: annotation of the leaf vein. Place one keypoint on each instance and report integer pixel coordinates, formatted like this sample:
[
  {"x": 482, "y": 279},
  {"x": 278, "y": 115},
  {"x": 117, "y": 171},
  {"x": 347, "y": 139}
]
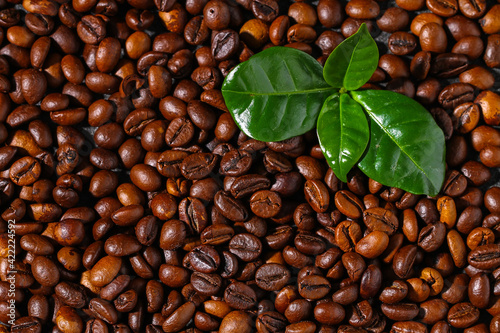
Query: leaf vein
[
  {"x": 397, "y": 144},
  {"x": 280, "y": 93}
]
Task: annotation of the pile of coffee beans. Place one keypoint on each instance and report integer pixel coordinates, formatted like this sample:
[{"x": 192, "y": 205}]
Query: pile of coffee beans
[{"x": 136, "y": 205}]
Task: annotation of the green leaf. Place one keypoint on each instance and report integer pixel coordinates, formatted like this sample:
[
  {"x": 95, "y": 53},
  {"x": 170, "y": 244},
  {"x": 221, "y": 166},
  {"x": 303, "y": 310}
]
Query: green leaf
[
  {"x": 352, "y": 63},
  {"x": 276, "y": 94},
  {"x": 407, "y": 148},
  {"x": 343, "y": 133}
]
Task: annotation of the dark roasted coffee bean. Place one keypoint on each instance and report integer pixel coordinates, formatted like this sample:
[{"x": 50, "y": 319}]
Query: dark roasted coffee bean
[
  {"x": 449, "y": 64},
  {"x": 314, "y": 287},
  {"x": 432, "y": 236},
  {"x": 270, "y": 321},
  {"x": 485, "y": 256},
  {"x": 204, "y": 259},
  {"x": 225, "y": 44},
  {"x": 404, "y": 260},
  {"x": 455, "y": 94},
  {"x": 379, "y": 219},
  {"x": 402, "y": 43},
  {"x": 206, "y": 284},
  {"x": 240, "y": 296},
  {"x": 230, "y": 207},
  {"x": 196, "y": 31},
  {"x": 236, "y": 163},
  {"x": 247, "y": 247},
  {"x": 463, "y": 315},
  {"x": 199, "y": 165},
  {"x": 348, "y": 204},
  {"x": 247, "y": 184},
  {"x": 400, "y": 311},
  {"x": 265, "y": 203},
  {"x": 272, "y": 277}
]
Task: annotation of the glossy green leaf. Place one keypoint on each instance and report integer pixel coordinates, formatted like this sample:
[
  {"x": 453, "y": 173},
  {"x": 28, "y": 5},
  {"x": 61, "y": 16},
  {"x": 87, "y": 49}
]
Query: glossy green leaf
[
  {"x": 276, "y": 94},
  {"x": 343, "y": 133},
  {"x": 407, "y": 148},
  {"x": 352, "y": 63}
]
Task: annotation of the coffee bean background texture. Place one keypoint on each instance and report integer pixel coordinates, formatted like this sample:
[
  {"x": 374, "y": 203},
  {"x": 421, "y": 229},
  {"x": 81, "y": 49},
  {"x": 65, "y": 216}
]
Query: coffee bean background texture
[{"x": 139, "y": 206}]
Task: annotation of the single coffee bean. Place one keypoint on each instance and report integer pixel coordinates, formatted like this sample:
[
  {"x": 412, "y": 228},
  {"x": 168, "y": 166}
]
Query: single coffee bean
[
  {"x": 463, "y": 315},
  {"x": 225, "y": 44},
  {"x": 199, "y": 165},
  {"x": 380, "y": 219},
  {"x": 402, "y": 43},
  {"x": 272, "y": 277},
  {"x": 348, "y": 204},
  {"x": 394, "y": 293},
  {"x": 403, "y": 261},
  {"x": 373, "y": 244},
  {"x": 485, "y": 256},
  {"x": 247, "y": 247},
  {"x": 204, "y": 258},
  {"x": 432, "y": 236},
  {"x": 449, "y": 64},
  {"x": 314, "y": 287},
  {"x": 400, "y": 311},
  {"x": 270, "y": 321},
  {"x": 266, "y": 10},
  {"x": 347, "y": 234},
  {"x": 240, "y": 296},
  {"x": 479, "y": 290},
  {"x": 206, "y": 284},
  {"x": 455, "y": 94}
]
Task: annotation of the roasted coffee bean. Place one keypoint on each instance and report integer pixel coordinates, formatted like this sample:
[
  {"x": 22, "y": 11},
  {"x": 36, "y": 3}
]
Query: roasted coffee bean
[
  {"x": 394, "y": 293},
  {"x": 463, "y": 315},
  {"x": 206, "y": 284},
  {"x": 404, "y": 260},
  {"x": 433, "y": 38},
  {"x": 449, "y": 64},
  {"x": 266, "y": 10},
  {"x": 25, "y": 171},
  {"x": 347, "y": 234},
  {"x": 432, "y": 236},
  {"x": 309, "y": 244},
  {"x": 226, "y": 201},
  {"x": 199, "y": 165},
  {"x": 204, "y": 259},
  {"x": 225, "y": 44},
  {"x": 379, "y": 219},
  {"x": 230, "y": 207},
  {"x": 373, "y": 244},
  {"x": 491, "y": 54},
  {"x": 247, "y": 247},
  {"x": 265, "y": 203},
  {"x": 455, "y": 94},
  {"x": 485, "y": 256},
  {"x": 317, "y": 195},
  {"x": 235, "y": 163},
  {"x": 91, "y": 29},
  {"x": 402, "y": 43},
  {"x": 240, "y": 296},
  {"x": 272, "y": 277},
  {"x": 348, "y": 204}
]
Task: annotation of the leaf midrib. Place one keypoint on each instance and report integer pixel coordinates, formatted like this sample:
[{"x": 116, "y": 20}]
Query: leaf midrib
[
  {"x": 374, "y": 118},
  {"x": 301, "y": 92},
  {"x": 350, "y": 61},
  {"x": 341, "y": 151}
]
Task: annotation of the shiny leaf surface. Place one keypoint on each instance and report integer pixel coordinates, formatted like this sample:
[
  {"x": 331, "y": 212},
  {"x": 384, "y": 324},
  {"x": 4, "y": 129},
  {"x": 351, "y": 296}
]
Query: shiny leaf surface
[
  {"x": 407, "y": 148},
  {"x": 276, "y": 94},
  {"x": 343, "y": 133},
  {"x": 352, "y": 63}
]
